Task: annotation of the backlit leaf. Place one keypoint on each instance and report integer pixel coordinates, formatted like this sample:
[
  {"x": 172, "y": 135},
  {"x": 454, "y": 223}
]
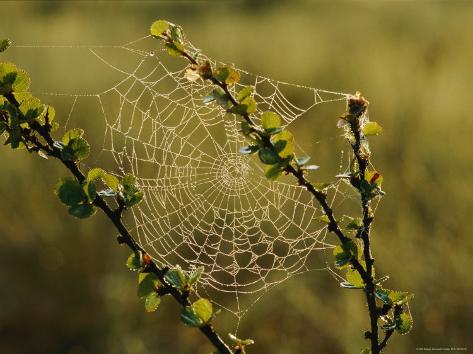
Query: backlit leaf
[
  {"x": 354, "y": 278},
  {"x": 372, "y": 128},
  {"x": 344, "y": 253},
  {"x": 286, "y": 136},
  {"x": 176, "y": 277},
  {"x": 175, "y": 49},
  {"x": 110, "y": 180},
  {"x": 404, "y": 323},
  {"x": 323, "y": 218},
  {"x": 227, "y": 75},
  {"x": 76, "y": 150},
  {"x": 244, "y": 93},
  {"x": 159, "y": 27},
  {"x": 195, "y": 276},
  {"x": 72, "y": 134},
  {"x": 270, "y": 120},
  {"x": 130, "y": 192},
  {"x": 198, "y": 314},
  {"x": 152, "y": 302},
  {"x": 147, "y": 284},
  {"x": 135, "y": 261}
]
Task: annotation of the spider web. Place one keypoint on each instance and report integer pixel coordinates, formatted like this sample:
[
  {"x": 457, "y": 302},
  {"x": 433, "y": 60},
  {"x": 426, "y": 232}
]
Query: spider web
[{"x": 204, "y": 203}]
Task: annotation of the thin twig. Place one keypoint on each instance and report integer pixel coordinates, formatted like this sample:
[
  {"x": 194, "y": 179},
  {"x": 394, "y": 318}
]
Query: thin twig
[{"x": 363, "y": 162}]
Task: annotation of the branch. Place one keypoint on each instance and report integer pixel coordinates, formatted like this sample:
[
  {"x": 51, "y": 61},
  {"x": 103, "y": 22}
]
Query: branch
[
  {"x": 357, "y": 107},
  {"x": 114, "y": 216}
]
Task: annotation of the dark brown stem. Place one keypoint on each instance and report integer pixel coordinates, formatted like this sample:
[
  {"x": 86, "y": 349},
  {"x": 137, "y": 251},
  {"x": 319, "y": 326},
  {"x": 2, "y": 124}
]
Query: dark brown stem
[
  {"x": 363, "y": 162},
  {"x": 389, "y": 332}
]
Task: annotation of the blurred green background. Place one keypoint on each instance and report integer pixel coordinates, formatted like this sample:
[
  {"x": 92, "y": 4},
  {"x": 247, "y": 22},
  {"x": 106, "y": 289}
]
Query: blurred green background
[{"x": 63, "y": 286}]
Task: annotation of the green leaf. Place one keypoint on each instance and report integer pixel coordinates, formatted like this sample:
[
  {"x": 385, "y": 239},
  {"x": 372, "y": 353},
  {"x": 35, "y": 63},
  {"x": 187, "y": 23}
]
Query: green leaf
[
  {"x": 286, "y": 136},
  {"x": 374, "y": 178},
  {"x": 400, "y": 297},
  {"x": 404, "y": 323},
  {"x": 22, "y": 81},
  {"x": 190, "y": 318},
  {"x": 72, "y": 134},
  {"x": 130, "y": 192},
  {"x": 227, "y": 75},
  {"x": 174, "y": 48},
  {"x": 239, "y": 109},
  {"x": 76, "y": 150},
  {"x": 70, "y": 191},
  {"x": 176, "y": 278},
  {"x": 50, "y": 114},
  {"x": 204, "y": 309},
  {"x": 250, "y": 104},
  {"x": 344, "y": 253},
  {"x": 4, "y": 44},
  {"x": 372, "y": 128},
  {"x": 158, "y": 27},
  {"x": 8, "y": 73},
  {"x": 148, "y": 283},
  {"x": 152, "y": 302},
  {"x": 195, "y": 276},
  {"x": 13, "y": 79},
  {"x": 268, "y": 156},
  {"x": 353, "y": 223},
  {"x": 176, "y": 34},
  {"x": 109, "y": 180},
  {"x": 90, "y": 191},
  {"x": 270, "y": 120},
  {"x": 273, "y": 172},
  {"x": 279, "y": 145},
  {"x": 82, "y": 211},
  {"x": 198, "y": 314},
  {"x": 323, "y": 218},
  {"x": 244, "y": 93},
  {"x": 354, "y": 278},
  {"x": 135, "y": 261},
  {"x": 30, "y": 107}
]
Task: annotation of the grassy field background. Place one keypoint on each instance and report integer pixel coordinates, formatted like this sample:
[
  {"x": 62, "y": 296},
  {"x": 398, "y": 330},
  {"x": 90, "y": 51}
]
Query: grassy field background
[{"x": 63, "y": 286}]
